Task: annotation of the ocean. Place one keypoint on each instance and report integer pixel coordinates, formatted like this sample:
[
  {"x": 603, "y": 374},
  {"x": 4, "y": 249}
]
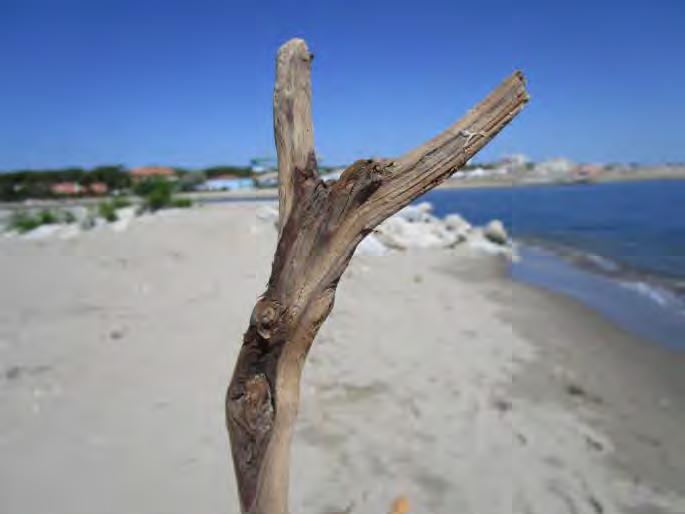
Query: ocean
[{"x": 617, "y": 247}]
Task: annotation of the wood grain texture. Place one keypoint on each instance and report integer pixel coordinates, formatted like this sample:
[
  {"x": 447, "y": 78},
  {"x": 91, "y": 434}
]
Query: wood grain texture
[
  {"x": 293, "y": 128},
  {"x": 320, "y": 225}
]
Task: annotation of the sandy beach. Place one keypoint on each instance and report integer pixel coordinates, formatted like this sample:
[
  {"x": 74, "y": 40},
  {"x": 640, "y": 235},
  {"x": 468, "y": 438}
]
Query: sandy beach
[{"x": 437, "y": 378}]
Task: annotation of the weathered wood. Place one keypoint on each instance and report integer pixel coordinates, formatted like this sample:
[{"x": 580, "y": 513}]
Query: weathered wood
[
  {"x": 293, "y": 128},
  {"x": 320, "y": 225}
]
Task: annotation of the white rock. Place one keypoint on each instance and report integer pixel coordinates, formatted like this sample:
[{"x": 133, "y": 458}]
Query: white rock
[
  {"x": 397, "y": 232},
  {"x": 455, "y": 223},
  {"x": 371, "y": 246},
  {"x": 420, "y": 213},
  {"x": 124, "y": 218},
  {"x": 496, "y": 233},
  {"x": 426, "y": 207},
  {"x": 478, "y": 241},
  {"x": 79, "y": 212},
  {"x": 43, "y": 231}
]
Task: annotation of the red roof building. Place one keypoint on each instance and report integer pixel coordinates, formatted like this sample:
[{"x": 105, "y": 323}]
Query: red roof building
[
  {"x": 146, "y": 172},
  {"x": 98, "y": 188},
  {"x": 65, "y": 188}
]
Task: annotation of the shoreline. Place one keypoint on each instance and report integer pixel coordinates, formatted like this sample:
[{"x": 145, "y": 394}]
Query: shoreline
[
  {"x": 666, "y": 291},
  {"x": 646, "y": 174},
  {"x": 645, "y": 304},
  {"x": 628, "y": 393},
  {"x": 628, "y": 387},
  {"x": 269, "y": 194},
  {"x": 437, "y": 376}
]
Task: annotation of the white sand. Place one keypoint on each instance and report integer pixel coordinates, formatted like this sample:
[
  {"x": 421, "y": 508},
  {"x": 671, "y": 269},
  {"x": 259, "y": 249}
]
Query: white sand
[{"x": 435, "y": 377}]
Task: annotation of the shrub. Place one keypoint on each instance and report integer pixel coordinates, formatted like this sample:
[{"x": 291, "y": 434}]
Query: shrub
[
  {"x": 46, "y": 217},
  {"x": 68, "y": 217},
  {"x": 147, "y": 186},
  {"x": 120, "y": 202},
  {"x": 158, "y": 194},
  {"x": 158, "y": 198},
  {"x": 108, "y": 211},
  {"x": 23, "y": 222},
  {"x": 181, "y": 203}
]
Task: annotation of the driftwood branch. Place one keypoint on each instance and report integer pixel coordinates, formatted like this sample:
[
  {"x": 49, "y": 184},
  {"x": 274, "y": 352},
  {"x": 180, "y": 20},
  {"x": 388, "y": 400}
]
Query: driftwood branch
[
  {"x": 320, "y": 225},
  {"x": 293, "y": 120}
]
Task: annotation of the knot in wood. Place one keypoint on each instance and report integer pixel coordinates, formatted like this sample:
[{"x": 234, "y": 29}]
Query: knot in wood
[
  {"x": 266, "y": 314},
  {"x": 258, "y": 411}
]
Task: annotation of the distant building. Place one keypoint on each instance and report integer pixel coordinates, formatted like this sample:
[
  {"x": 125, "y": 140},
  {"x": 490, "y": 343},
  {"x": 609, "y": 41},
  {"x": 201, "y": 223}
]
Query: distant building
[
  {"x": 269, "y": 179},
  {"x": 262, "y": 164},
  {"x": 555, "y": 167},
  {"x": 587, "y": 172},
  {"x": 146, "y": 172},
  {"x": 226, "y": 183},
  {"x": 66, "y": 188},
  {"x": 514, "y": 162},
  {"x": 98, "y": 188},
  {"x": 476, "y": 173}
]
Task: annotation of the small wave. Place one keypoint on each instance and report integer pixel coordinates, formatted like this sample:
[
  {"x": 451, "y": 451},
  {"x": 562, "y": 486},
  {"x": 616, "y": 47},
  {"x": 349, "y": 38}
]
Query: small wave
[
  {"x": 663, "y": 291},
  {"x": 598, "y": 262},
  {"x": 657, "y": 294},
  {"x": 579, "y": 257}
]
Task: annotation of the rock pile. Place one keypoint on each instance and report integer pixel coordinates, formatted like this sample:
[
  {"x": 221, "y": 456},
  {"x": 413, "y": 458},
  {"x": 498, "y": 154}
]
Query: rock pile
[{"x": 415, "y": 227}]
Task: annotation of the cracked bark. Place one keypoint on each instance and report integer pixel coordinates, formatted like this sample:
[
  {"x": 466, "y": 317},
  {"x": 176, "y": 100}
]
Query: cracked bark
[{"x": 320, "y": 225}]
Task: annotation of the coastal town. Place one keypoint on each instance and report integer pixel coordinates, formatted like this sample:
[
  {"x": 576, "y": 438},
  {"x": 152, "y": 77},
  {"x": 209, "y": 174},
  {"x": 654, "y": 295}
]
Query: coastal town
[
  {"x": 261, "y": 173},
  {"x": 30, "y": 199}
]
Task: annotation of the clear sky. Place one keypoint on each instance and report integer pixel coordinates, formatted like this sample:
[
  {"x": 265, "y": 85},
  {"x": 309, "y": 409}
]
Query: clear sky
[{"x": 190, "y": 83}]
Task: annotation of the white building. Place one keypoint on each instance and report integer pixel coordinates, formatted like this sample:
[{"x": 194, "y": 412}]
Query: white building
[
  {"x": 515, "y": 161},
  {"x": 555, "y": 167},
  {"x": 262, "y": 164},
  {"x": 226, "y": 183}
]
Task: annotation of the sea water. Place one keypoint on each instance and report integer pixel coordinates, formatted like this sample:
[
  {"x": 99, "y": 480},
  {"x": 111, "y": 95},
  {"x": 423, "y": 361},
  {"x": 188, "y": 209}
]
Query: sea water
[{"x": 618, "y": 247}]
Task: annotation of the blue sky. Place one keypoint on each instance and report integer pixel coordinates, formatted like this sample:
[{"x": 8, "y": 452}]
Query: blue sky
[{"x": 190, "y": 83}]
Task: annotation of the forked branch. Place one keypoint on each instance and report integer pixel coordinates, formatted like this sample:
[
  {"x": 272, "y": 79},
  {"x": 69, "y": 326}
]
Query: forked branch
[{"x": 320, "y": 225}]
